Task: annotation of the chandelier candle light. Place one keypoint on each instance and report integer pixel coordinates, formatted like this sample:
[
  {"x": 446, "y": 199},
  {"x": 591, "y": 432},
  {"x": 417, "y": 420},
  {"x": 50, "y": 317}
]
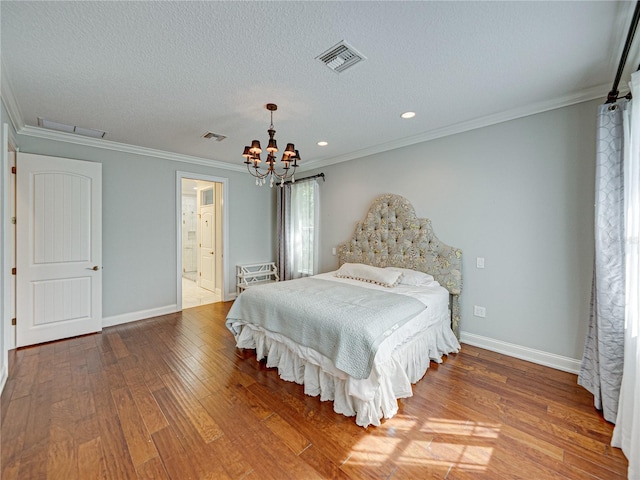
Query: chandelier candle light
[{"x": 289, "y": 160}]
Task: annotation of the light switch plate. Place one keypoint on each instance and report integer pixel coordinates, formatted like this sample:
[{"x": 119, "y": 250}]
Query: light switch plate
[{"x": 479, "y": 311}]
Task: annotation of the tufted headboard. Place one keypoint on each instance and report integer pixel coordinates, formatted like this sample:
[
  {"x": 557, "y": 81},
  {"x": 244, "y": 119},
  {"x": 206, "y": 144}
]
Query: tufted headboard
[{"x": 392, "y": 236}]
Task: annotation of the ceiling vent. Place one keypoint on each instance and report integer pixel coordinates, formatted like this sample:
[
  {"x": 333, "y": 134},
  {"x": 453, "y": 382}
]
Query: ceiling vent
[
  {"x": 217, "y": 136},
  {"x": 63, "y": 127},
  {"x": 340, "y": 57}
]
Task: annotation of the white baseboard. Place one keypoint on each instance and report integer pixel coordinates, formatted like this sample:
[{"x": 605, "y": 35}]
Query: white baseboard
[
  {"x": 140, "y": 315},
  {"x": 547, "y": 359}
]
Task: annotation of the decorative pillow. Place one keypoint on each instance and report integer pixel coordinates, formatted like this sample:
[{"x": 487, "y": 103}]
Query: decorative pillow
[
  {"x": 368, "y": 273},
  {"x": 412, "y": 277}
]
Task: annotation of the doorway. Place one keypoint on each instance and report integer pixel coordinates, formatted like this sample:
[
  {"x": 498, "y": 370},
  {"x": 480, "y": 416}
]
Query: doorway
[{"x": 200, "y": 240}]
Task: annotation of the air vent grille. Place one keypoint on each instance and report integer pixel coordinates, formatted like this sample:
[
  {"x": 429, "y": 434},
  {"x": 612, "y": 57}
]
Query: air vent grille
[
  {"x": 217, "y": 136},
  {"x": 64, "y": 127},
  {"x": 340, "y": 57}
]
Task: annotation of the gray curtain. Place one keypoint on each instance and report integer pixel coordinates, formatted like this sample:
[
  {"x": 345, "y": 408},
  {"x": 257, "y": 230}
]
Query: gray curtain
[
  {"x": 602, "y": 362},
  {"x": 284, "y": 260}
]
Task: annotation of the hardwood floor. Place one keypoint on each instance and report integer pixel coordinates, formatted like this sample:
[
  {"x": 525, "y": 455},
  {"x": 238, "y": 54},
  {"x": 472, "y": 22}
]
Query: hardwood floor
[{"x": 170, "y": 397}]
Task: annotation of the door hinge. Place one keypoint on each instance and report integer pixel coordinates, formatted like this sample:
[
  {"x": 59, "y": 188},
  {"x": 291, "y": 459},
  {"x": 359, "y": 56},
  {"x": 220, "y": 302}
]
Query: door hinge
[
  {"x": 13, "y": 170},
  {"x": 13, "y": 321},
  {"x": 200, "y": 273},
  {"x": 13, "y": 271},
  {"x": 13, "y": 220}
]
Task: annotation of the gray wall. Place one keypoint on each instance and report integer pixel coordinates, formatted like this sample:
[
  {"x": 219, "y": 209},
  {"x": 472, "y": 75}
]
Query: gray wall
[
  {"x": 139, "y": 223},
  {"x": 520, "y": 194}
]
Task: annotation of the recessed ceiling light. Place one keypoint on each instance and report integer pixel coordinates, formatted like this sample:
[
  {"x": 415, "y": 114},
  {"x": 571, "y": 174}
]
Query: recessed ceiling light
[
  {"x": 323, "y": 143},
  {"x": 408, "y": 114}
]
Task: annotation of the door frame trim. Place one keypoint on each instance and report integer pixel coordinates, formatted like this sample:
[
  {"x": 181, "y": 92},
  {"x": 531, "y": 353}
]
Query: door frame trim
[
  {"x": 225, "y": 231},
  {"x": 7, "y": 340}
]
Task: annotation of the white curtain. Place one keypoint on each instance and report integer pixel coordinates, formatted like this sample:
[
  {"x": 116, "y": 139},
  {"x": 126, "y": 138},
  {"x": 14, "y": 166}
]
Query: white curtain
[
  {"x": 626, "y": 433},
  {"x": 602, "y": 362},
  {"x": 298, "y": 232}
]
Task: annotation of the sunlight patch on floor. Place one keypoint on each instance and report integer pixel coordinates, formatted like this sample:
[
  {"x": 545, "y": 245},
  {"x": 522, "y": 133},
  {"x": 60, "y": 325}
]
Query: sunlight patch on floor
[
  {"x": 456, "y": 427},
  {"x": 465, "y": 457},
  {"x": 442, "y": 443},
  {"x": 400, "y": 422}
]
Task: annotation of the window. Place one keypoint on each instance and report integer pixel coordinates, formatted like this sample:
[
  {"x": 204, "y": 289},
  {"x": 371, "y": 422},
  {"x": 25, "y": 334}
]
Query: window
[
  {"x": 206, "y": 196},
  {"x": 304, "y": 234},
  {"x": 298, "y": 215}
]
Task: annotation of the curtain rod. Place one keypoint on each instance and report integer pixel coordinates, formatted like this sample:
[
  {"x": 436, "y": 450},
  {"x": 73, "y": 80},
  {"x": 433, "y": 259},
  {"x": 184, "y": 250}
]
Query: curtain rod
[
  {"x": 307, "y": 178},
  {"x": 613, "y": 94}
]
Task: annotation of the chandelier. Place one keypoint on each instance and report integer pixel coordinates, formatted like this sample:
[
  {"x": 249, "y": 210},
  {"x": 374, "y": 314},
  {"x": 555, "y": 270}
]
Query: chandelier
[{"x": 290, "y": 158}]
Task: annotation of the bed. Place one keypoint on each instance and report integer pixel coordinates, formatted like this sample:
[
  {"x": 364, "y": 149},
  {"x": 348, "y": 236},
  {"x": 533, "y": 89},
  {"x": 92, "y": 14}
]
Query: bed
[{"x": 362, "y": 335}]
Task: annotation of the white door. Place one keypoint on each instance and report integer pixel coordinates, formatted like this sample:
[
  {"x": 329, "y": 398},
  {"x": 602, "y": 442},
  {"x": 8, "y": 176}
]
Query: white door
[
  {"x": 59, "y": 248},
  {"x": 207, "y": 247}
]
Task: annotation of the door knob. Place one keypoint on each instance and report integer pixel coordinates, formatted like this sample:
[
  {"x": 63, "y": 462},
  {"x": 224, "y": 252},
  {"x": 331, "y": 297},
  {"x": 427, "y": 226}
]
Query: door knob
[
  {"x": 211, "y": 253},
  {"x": 95, "y": 268}
]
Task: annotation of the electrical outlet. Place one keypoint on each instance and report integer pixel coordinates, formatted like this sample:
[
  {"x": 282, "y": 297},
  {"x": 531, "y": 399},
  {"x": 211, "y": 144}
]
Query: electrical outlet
[
  {"x": 333, "y": 251},
  {"x": 479, "y": 262},
  {"x": 479, "y": 311}
]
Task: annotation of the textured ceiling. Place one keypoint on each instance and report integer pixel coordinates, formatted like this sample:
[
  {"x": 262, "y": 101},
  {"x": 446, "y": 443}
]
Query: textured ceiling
[{"x": 161, "y": 74}]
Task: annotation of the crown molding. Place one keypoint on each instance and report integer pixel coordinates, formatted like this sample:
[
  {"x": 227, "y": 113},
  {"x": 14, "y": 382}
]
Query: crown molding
[
  {"x": 17, "y": 121},
  {"x": 15, "y": 115},
  {"x": 12, "y": 140},
  {"x": 124, "y": 147},
  {"x": 9, "y": 100},
  {"x": 586, "y": 95}
]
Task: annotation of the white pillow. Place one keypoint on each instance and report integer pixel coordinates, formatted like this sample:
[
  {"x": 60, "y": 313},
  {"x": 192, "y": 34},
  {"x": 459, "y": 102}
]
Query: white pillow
[
  {"x": 368, "y": 273},
  {"x": 412, "y": 277}
]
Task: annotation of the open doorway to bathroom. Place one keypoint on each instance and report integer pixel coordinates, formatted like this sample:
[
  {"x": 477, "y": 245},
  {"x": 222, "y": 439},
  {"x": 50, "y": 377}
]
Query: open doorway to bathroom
[{"x": 201, "y": 243}]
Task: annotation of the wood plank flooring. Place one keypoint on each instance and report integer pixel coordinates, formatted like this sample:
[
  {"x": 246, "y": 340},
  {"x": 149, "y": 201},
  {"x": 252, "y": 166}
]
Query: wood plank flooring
[{"x": 171, "y": 397}]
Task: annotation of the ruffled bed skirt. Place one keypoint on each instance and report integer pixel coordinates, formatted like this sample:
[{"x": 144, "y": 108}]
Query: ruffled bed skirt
[{"x": 370, "y": 399}]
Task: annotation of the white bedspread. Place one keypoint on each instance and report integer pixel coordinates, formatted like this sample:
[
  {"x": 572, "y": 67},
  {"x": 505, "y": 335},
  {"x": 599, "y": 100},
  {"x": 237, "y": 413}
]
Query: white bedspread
[
  {"x": 402, "y": 358},
  {"x": 344, "y": 322}
]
